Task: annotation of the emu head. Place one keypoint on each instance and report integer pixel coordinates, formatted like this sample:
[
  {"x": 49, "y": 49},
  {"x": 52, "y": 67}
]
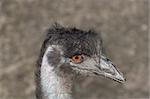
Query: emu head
[{"x": 80, "y": 51}]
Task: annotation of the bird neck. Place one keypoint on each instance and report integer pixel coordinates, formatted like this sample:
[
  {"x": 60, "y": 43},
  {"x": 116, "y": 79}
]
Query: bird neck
[{"x": 55, "y": 82}]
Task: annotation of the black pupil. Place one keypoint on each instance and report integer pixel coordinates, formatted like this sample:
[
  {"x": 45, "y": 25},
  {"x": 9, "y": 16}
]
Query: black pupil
[{"x": 76, "y": 57}]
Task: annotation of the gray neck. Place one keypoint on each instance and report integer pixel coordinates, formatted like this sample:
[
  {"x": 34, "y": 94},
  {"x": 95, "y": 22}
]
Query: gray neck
[{"x": 54, "y": 84}]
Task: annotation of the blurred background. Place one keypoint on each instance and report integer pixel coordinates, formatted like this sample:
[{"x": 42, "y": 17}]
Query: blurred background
[{"x": 123, "y": 25}]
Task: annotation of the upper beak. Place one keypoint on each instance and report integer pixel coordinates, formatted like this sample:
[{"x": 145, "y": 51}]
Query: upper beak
[{"x": 108, "y": 69}]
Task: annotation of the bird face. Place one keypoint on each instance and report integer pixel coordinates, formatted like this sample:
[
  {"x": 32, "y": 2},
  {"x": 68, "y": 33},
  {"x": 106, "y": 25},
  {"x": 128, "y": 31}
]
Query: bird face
[
  {"x": 96, "y": 66},
  {"x": 82, "y": 51}
]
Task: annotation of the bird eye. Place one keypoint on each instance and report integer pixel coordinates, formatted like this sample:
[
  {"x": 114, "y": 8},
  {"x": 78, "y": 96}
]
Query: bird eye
[{"x": 77, "y": 58}]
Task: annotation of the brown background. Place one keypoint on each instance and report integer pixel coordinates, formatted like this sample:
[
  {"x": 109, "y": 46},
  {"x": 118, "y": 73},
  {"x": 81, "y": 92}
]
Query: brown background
[{"x": 124, "y": 27}]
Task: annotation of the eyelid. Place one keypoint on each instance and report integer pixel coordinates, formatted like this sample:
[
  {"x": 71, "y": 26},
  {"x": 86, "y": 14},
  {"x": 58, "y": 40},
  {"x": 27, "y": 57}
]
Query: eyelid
[{"x": 74, "y": 55}]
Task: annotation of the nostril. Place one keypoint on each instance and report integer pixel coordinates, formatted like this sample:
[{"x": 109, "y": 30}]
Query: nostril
[
  {"x": 99, "y": 67},
  {"x": 107, "y": 59},
  {"x": 109, "y": 71},
  {"x": 95, "y": 73}
]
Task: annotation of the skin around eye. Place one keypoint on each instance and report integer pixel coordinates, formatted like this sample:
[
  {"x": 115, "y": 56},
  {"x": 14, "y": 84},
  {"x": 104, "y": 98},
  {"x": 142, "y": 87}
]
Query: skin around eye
[{"x": 77, "y": 58}]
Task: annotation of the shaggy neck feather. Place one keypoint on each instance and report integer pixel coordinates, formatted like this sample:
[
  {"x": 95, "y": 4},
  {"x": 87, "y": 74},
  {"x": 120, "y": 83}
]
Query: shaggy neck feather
[{"x": 54, "y": 84}]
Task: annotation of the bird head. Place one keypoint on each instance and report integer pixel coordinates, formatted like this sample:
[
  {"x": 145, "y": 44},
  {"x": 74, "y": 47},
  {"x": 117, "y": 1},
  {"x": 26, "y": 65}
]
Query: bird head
[{"x": 81, "y": 51}]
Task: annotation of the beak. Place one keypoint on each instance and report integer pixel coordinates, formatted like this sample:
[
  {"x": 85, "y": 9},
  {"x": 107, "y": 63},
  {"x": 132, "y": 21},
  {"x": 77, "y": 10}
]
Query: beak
[{"x": 107, "y": 68}]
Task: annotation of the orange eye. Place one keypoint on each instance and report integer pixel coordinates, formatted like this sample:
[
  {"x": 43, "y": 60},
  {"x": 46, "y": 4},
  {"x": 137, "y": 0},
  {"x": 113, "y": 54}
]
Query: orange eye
[{"x": 77, "y": 58}]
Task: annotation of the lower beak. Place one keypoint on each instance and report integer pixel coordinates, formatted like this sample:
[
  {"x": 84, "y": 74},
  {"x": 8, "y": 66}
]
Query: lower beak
[{"x": 108, "y": 69}]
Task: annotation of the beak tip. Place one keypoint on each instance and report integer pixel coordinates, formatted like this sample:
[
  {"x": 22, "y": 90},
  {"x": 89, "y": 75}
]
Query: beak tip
[
  {"x": 123, "y": 81},
  {"x": 121, "y": 78}
]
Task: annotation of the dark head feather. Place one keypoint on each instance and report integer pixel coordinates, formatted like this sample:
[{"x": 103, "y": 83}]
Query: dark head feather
[{"x": 73, "y": 40}]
